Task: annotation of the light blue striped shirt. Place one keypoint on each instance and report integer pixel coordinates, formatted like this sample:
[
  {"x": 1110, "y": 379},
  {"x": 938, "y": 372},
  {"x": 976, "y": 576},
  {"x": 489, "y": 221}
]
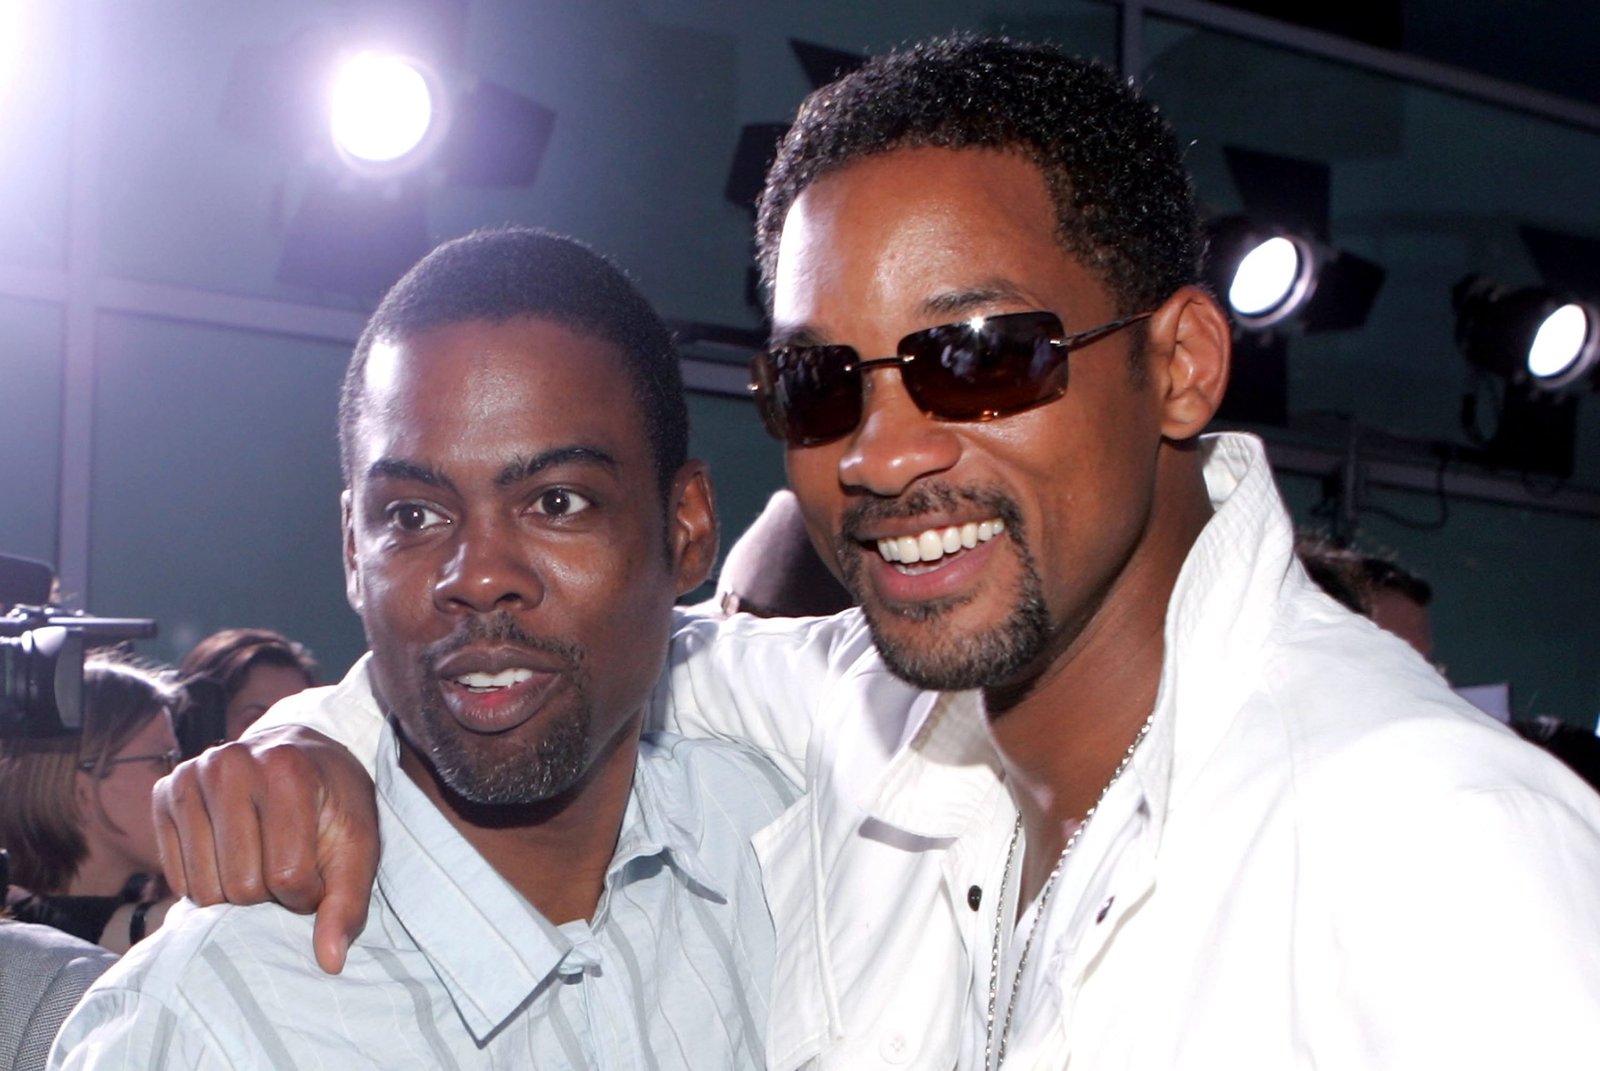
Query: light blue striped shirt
[{"x": 456, "y": 969}]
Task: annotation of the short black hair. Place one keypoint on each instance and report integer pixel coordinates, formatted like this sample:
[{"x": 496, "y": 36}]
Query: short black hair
[
  {"x": 500, "y": 275},
  {"x": 1124, "y": 202},
  {"x": 1339, "y": 571},
  {"x": 1385, "y": 574}
]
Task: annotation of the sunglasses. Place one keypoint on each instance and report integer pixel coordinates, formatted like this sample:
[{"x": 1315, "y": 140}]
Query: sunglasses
[{"x": 977, "y": 369}]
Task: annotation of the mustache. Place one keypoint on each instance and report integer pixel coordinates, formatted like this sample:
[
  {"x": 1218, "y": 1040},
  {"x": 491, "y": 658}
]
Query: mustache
[
  {"x": 499, "y": 628},
  {"x": 921, "y": 501}
]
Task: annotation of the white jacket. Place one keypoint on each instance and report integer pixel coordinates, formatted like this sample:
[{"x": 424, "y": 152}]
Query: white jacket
[{"x": 1320, "y": 857}]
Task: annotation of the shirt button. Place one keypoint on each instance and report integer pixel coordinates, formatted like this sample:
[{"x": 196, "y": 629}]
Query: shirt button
[
  {"x": 974, "y": 897},
  {"x": 895, "y": 1049}
]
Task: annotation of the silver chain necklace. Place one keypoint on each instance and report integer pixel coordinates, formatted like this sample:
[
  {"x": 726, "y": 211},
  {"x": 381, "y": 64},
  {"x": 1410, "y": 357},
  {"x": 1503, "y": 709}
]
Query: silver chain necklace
[{"x": 994, "y": 1052}]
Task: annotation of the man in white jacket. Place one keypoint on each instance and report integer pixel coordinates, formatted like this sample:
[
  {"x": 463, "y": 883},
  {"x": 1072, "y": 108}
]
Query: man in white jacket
[{"x": 1096, "y": 777}]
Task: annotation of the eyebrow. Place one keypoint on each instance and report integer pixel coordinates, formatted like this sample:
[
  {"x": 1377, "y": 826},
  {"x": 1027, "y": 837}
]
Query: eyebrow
[
  {"x": 957, "y": 302},
  {"x": 394, "y": 468},
  {"x": 524, "y": 467},
  {"x": 513, "y": 472},
  {"x": 803, "y": 335},
  {"x": 952, "y": 303}
]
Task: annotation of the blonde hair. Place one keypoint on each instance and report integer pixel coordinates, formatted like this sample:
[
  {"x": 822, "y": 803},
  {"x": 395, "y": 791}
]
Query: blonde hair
[{"x": 40, "y": 826}]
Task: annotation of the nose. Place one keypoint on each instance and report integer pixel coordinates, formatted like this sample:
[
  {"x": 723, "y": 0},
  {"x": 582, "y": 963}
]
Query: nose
[
  {"x": 489, "y": 570},
  {"x": 896, "y": 443}
]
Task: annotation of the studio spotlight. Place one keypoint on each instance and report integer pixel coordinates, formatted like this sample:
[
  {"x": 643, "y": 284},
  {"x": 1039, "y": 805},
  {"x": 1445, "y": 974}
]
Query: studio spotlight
[
  {"x": 385, "y": 112},
  {"x": 1268, "y": 276},
  {"x": 368, "y": 136},
  {"x": 1540, "y": 345},
  {"x": 1536, "y": 336},
  {"x": 1564, "y": 345},
  {"x": 1278, "y": 270}
]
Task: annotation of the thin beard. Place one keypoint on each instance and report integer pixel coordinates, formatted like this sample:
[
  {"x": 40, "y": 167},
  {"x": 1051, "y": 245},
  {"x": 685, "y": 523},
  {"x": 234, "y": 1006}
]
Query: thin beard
[
  {"x": 977, "y": 661},
  {"x": 555, "y": 764}
]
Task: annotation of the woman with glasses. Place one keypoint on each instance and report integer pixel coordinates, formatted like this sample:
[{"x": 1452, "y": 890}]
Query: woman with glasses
[{"x": 75, "y": 811}]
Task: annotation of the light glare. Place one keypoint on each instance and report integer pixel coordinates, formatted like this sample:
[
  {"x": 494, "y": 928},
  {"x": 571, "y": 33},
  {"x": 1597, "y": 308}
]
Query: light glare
[
  {"x": 1265, "y": 277},
  {"x": 10, "y": 42},
  {"x": 382, "y": 108},
  {"x": 1559, "y": 341}
]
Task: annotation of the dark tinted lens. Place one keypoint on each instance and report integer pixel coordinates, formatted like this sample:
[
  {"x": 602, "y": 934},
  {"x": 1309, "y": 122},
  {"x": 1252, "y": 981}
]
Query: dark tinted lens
[
  {"x": 961, "y": 372},
  {"x": 807, "y": 394}
]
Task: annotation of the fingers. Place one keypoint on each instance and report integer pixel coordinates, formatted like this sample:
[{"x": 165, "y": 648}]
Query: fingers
[
  {"x": 289, "y": 821},
  {"x": 285, "y": 815},
  {"x": 205, "y": 814},
  {"x": 341, "y": 917},
  {"x": 167, "y": 839},
  {"x": 240, "y": 823},
  {"x": 347, "y": 854}
]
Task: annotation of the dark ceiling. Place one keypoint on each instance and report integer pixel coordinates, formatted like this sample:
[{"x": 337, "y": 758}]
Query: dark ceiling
[{"x": 1547, "y": 45}]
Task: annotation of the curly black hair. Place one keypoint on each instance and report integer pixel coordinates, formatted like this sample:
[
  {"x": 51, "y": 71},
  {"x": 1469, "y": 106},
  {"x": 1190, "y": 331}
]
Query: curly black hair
[
  {"x": 1124, "y": 203},
  {"x": 499, "y": 275}
]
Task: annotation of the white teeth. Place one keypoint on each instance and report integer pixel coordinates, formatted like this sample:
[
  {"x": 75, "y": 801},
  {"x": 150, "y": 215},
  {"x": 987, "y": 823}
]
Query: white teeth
[
  {"x": 488, "y": 682},
  {"x": 935, "y": 543}
]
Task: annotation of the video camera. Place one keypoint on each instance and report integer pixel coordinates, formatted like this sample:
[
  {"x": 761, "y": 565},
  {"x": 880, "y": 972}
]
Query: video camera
[{"x": 41, "y": 652}]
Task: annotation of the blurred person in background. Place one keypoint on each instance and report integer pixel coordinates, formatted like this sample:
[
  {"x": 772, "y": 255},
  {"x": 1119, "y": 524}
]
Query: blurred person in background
[
  {"x": 75, "y": 810},
  {"x": 232, "y": 677},
  {"x": 1373, "y": 585},
  {"x": 1398, "y": 602}
]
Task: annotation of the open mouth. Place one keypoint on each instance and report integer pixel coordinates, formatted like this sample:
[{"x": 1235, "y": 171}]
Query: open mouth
[
  {"x": 934, "y": 544},
  {"x": 485, "y": 683}
]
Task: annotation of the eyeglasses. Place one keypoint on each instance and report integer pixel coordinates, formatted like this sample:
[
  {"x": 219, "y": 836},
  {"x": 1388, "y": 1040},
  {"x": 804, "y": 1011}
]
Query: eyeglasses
[
  {"x": 166, "y": 760},
  {"x": 977, "y": 369}
]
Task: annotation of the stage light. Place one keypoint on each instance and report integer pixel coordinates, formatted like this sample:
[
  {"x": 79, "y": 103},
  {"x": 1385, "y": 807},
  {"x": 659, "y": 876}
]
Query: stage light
[
  {"x": 383, "y": 110},
  {"x": 1536, "y": 349},
  {"x": 1275, "y": 265},
  {"x": 1274, "y": 278},
  {"x": 1536, "y": 335},
  {"x": 1560, "y": 344},
  {"x": 371, "y": 136}
]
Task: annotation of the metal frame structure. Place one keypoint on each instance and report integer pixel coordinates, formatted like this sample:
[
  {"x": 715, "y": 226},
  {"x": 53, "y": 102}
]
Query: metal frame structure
[{"x": 85, "y": 295}]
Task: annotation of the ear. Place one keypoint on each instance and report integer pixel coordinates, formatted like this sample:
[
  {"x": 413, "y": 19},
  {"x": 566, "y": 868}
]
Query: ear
[
  {"x": 1193, "y": 344},
  {"x": 85, "y": 797},
  {"x": 352, "y": 575},
  {"x": 692, "y": 527}
]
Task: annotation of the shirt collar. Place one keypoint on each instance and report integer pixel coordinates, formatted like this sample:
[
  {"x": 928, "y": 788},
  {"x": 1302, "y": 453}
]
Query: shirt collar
[
  {"x": 664, "y": 817},
  {"x": 936, "y": 786},
  {"x": 489, "y": 947},
  {"x": 1220, "y": 613}
]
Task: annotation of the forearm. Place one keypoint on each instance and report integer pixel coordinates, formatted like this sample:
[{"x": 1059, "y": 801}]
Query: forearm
[
  {"x": 761, "y": 682},
  {"x": 346, "y": 713}
]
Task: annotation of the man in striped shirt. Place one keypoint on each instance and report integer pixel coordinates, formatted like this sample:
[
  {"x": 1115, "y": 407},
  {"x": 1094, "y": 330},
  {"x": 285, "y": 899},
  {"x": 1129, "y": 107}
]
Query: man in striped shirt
[{"x": 556, "y": 888}]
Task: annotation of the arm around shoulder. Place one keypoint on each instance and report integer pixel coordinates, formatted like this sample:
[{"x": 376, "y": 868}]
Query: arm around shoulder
[
  {"x": 346, "y": 714},
  {"x": 760, "y": 681}
]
